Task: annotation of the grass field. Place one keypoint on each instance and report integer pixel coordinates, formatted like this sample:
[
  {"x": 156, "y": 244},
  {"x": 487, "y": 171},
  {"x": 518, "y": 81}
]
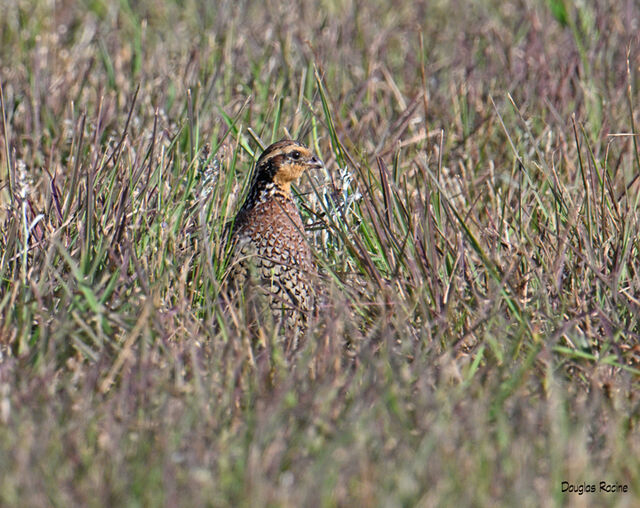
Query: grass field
[{"x": 476, "y": 230}]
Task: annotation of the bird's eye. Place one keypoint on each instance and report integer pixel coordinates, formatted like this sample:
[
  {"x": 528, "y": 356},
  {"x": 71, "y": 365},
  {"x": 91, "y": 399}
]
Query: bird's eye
[{"x": 295, "y": 155}]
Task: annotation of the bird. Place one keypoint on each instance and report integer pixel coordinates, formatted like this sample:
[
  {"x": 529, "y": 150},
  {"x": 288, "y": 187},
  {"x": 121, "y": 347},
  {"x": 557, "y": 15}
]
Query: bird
[{"x": 269, "y": 249}]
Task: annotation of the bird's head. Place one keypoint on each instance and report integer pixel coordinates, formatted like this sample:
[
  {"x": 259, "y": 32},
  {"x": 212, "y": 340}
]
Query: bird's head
[{"x": 284, "y": 162}]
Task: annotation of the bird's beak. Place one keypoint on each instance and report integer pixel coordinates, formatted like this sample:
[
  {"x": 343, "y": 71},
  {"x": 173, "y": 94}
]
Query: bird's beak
[{"x": 315, "y": 163}]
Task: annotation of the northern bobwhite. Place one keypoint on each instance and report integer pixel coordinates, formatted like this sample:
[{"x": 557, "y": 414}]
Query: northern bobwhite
[{"x": 268, "y": 236}]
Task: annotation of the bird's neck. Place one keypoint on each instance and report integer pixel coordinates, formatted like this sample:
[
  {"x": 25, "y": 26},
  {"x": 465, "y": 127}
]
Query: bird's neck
[{"x": 262, "y": 191}]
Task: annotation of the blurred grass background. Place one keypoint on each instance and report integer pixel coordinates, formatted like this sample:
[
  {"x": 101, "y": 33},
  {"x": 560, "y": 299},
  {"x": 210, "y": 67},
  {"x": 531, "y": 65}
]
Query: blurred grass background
[{"x": 476, "y": 229}]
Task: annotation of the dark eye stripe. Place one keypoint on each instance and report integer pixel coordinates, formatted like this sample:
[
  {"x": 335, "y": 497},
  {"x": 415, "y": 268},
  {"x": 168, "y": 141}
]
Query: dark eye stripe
[{"x": 278, "y": 153}]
